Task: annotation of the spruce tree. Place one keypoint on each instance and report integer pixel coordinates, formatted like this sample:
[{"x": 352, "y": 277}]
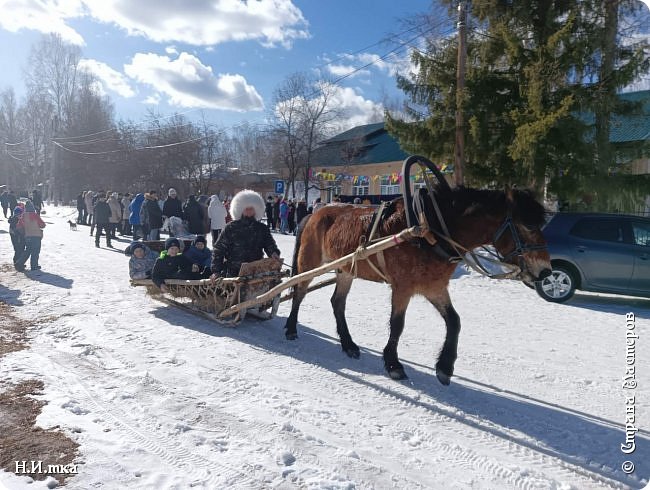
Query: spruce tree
[{"x": 540, "y": 95}]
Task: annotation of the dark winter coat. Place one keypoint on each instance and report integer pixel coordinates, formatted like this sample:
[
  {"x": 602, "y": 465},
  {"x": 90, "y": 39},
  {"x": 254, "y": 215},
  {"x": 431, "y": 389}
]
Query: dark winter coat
[
  {"x": 13, "y": 202},
  {"x": 242, "y": 240},
  {"x": 172, "y": 207},
  {"x": 102, "y": 213},
  {"x": 36, "y": 199},
  {"x": 269, "y": 211},
  {"x": 81, "y": 205},
  {"x": 202, "y": 258},
  {"x": 168, "y": 267},
  {"x": 301, "y": 212},
  {"x": 13, "y": 222},
  {"x": 4, "y": 199},
  {"x": 154, "y": 213},
  {"x": 194, "y": 215}
]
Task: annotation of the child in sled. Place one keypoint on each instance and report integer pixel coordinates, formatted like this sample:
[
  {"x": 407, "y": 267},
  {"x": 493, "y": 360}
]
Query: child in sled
[
  {"x": 198, "y": 253},
  {"x": 173, "y": 265},
  {"x": 142, "y": 260}
]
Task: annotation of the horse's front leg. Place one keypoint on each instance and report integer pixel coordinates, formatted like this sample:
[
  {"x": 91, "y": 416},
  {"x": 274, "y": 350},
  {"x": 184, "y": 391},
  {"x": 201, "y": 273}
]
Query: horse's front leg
[
  {"x": 399, "y": 301},
  {"x": 338, "y": 300},
  {"x": 449, "y": 352}
]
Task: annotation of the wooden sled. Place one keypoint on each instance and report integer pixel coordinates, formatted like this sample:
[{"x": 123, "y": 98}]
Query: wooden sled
[{"x": 208, "y": 299}]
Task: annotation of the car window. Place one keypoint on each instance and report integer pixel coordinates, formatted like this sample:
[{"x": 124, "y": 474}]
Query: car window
[
  {"x": 604, "y": 230},
  {"x": 641, "y": 231}
]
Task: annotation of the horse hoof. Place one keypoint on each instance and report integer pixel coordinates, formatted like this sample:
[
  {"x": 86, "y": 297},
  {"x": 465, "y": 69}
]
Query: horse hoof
[
  {"x": 353, "y": 353},
  {"x": 444, "y": 379},
  {"x": 291, "y": 335},
  {"x": 397, "y": 374}
]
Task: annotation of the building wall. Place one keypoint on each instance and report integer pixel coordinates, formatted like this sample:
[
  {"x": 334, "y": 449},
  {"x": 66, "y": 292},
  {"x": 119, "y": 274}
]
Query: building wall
[
  {"x": 641, "y": 166},
  {"x": 370, "y": 169}
]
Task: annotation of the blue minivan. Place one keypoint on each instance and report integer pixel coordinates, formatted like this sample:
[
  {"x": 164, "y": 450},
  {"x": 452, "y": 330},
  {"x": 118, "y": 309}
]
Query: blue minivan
[{"x": 603, "y": 253}]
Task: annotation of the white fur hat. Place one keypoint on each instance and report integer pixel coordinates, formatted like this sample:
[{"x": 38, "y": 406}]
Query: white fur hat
[{"x": 244, "y": 199}]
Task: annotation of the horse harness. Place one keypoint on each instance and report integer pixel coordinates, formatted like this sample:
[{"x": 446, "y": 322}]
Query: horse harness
[{"x": 437, "y": 235}]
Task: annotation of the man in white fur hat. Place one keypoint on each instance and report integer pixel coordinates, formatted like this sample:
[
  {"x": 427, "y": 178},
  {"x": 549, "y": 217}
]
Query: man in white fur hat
[{"x": 245, "y": 239}]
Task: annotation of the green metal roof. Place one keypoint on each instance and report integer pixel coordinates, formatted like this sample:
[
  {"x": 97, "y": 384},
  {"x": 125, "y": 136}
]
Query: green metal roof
[{"x": 370, "y": 143}]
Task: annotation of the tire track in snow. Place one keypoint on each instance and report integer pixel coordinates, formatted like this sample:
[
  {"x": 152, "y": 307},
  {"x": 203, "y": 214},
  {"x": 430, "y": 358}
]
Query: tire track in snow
[
  {"x": 481, "y": 433},
  {"x": 165, "y": 448},
  {"x": 247, "y": 428}
]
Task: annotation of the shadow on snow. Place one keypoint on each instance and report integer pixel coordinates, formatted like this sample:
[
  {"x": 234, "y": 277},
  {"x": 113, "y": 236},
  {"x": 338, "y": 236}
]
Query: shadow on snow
[
  {"x": 612, "y": 304},
  {"x": 584, "y": 441},
  {"x": 49, "y": 278}
]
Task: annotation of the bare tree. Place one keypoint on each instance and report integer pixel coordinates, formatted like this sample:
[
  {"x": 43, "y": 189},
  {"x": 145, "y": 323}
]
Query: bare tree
[
  {"x": 286, "y": 124},
  {"x": 304, "y": 114},
  {"x": 319, "y": 114},
  {"x": 13, "y": 148},
  {"x": 51, "y": 77}
]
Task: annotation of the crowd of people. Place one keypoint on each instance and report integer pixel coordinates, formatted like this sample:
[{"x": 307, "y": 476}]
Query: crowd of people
[
  {"x": 235, "y": 230},
  {"x": 283, "y": 215}
]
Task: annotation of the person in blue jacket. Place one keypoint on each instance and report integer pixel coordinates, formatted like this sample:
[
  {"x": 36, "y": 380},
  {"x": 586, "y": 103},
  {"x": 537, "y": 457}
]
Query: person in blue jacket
[
  {"x": 134, "y": 216},
  {"x": 198, "y": 253}
]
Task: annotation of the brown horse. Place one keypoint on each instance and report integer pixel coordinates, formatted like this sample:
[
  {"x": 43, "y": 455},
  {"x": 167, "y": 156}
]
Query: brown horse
[{"x": 510, "y": 221}]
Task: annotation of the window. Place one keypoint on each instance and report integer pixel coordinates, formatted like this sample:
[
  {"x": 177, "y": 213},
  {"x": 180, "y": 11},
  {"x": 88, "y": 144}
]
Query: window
[
  {"x": 601, "y": 229},
  {"x": 387, "y": 188},
  {"x": 360, "y": 190},
  {"x": 641, "y": 231}
]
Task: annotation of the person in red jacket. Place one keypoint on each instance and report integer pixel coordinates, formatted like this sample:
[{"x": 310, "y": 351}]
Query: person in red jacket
[{"x": 32, "y": 225}]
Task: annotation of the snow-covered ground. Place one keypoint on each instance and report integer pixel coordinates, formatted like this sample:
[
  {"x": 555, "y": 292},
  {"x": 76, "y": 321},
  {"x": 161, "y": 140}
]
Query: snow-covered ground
[{"x": 158, "y": 398}]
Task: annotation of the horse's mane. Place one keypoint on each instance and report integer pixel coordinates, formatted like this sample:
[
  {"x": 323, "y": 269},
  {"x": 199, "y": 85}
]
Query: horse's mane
[
  {"x": 465, "y": 201},
  {"x": 461, "y": 201}
]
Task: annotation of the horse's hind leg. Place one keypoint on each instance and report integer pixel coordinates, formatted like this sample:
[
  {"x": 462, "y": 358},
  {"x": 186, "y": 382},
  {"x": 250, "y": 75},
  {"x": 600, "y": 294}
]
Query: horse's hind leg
[
  {"x": 400, "y": 301},
  {"x": 299, "y": 293},
  {"x": 449, "y": 352},
  {"x": 338, "y": 300}
]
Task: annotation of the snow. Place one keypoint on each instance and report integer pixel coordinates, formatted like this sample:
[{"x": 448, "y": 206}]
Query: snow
[{"x": 159, "y": 398}]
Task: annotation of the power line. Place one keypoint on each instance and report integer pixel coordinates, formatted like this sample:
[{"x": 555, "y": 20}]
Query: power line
[{"x": 130, "y": 149}]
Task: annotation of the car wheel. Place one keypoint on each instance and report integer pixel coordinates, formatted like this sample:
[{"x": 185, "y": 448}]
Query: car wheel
[{"x": 558, "y": 287}]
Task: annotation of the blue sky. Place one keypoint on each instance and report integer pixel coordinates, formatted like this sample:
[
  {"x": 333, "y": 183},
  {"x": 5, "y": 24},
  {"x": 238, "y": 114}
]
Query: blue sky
[{"x": 225, "y": 57}]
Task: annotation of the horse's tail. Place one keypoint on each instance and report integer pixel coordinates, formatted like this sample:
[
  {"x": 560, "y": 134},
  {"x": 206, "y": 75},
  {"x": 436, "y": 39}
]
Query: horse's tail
[{"x": 296, "y": 248}]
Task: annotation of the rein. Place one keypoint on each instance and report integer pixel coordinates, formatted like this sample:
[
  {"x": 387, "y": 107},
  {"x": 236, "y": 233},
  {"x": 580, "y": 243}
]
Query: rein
[{"x": 461, "y": 251}]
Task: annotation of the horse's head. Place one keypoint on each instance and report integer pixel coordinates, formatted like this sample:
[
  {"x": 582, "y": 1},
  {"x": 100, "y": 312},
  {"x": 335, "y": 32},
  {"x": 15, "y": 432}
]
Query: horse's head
[{"x": 519, "y": 239}]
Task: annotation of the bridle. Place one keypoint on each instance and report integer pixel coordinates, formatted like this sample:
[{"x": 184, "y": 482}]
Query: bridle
[
  {"x": 520, "y": 247},
  {"x": 471, "y": 259}
]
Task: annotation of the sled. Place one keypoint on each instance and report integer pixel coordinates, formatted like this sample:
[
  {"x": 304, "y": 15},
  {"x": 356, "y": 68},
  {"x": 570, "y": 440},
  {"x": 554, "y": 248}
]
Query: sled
[{"x": 209, "y": 299}]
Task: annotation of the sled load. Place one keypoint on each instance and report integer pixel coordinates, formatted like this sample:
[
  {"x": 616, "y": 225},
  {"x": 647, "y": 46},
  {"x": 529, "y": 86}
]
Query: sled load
[{"x": 209, "y": 298}]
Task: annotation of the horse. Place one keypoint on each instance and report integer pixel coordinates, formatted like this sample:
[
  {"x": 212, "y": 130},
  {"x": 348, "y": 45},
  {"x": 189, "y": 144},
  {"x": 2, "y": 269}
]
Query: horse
[{"x": 510, "y": 221}]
